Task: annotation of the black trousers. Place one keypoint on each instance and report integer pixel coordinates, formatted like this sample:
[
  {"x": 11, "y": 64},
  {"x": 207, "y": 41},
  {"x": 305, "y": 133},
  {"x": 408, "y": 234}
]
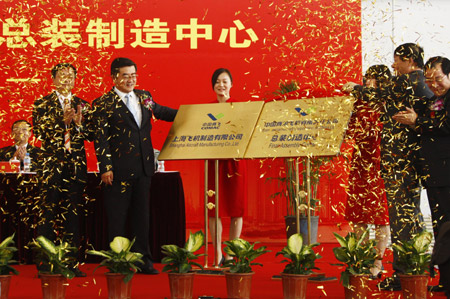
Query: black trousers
[
  {"x": 439, "y": 200},
  {"x": 62, "y": 208},
  {"x": 127, "y": 206},
  {"x": 403, "y": 197}
]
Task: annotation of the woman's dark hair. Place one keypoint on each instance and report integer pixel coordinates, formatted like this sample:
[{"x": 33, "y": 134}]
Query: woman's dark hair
[
  {"x": 120, "y": 62},
  {"x": 62, "y": 65},
  {"x": 434, "y": 61},
  {"x": 411, "y": 50},
  {"x": 379, "y": 72},
  {"x": 217, "y": 73}
]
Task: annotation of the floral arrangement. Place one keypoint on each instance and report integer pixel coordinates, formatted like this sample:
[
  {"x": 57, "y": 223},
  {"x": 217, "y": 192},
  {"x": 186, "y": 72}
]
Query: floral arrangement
[{"x": 148, "y": 103}]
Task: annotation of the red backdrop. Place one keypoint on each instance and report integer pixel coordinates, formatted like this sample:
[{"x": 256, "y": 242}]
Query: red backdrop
[{"x": 177, "y": 45}]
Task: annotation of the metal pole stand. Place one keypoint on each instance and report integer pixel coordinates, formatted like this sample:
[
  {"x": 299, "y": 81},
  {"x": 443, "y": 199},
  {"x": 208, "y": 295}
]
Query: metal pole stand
[{"x": 216, "y": 270}]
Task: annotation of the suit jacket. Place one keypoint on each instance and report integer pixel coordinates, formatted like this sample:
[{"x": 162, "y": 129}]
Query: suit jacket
[
  {"x": 434, "y": 127},
  {"x": 7, "y": 152},
  {"x": 121, "y": 145},
  {"x": 49, "y": 127},
  {"x": 399, "y": 142}
]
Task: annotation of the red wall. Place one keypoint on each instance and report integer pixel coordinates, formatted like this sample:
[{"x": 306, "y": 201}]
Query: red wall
[{"x": 316, "y": 43}]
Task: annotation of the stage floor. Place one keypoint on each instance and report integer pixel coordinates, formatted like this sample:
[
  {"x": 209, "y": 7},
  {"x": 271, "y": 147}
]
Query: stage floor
[{"x": 27, "y": 284}]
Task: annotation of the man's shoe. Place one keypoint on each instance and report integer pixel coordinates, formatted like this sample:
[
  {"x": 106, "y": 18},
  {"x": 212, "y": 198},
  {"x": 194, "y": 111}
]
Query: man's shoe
[
  {"x": 78, "y": 272},
  {"x": 148, "y": 271},
  {"x": 390, "y": 284},
  {"x": 437, "y": 288}
]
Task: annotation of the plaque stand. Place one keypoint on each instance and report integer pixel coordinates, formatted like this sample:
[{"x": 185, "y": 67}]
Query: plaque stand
[
  {"x": 215, "y": 270},
  {"x": 297, "y": 199},
  {"x": 216, "y": 235}
]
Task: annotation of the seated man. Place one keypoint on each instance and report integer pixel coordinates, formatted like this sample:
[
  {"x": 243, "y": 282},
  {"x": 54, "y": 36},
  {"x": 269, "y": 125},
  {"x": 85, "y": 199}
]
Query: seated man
[{"x": 20, "y": 132}]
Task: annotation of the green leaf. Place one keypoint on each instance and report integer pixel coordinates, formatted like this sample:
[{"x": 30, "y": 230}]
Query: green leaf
[
  {"x": 341, "y": 254},
  {"x": 185, "y": 268},
  {"x": 120, "y": 244},
  {"x": 128, "y": 277},
  {"x": 341, "y": 240},
  {"x": 295, "y": 243},
  {"x": 7, "y": 241},
  {"x": 134, "y": 257},
  {"x": 423, "y": 241},
  {"x": 362, "y": 238},
  {"x": 195, "y": 241},
  {"x": 170, "y": 248},
  {"x": 240, "y": 244},
  {"x": 47, "y": 245},
  {"x": 99, "y": 253},
  {"x": 351, "y": 245}
]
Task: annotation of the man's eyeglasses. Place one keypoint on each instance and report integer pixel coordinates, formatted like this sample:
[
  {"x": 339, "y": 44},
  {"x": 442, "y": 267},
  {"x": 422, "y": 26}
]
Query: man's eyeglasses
[
  {"x": 129, "y": 76},
  {"x": 435, "y": 79}
]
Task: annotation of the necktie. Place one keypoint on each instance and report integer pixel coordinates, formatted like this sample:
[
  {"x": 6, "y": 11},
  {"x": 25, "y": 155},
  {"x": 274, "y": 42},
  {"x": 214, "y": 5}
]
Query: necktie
[
  {"x": 132, "y": 108},
  {"x": 67, "y": 132}
]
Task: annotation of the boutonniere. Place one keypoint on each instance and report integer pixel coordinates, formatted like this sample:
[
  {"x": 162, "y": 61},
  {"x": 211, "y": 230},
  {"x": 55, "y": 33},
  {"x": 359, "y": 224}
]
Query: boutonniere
[
  {"x": 437, "y": 105},
  {"x": 147, "y": 102},
  {"x": 84, "y": 108}
]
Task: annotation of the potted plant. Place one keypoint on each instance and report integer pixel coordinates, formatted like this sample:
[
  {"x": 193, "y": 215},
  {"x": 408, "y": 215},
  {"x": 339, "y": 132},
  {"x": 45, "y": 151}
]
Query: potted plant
[
  {"x": 287, "y": 183},
  {"x": 239, "y": 276},
  {"x": 301, "y": 260},
  {"x": 358, "y": 255},
  {"x": 414, "y": 258},
  {"x": 6, "y": 254},
  {"x": 54, "y": 264},
  {"x": 121, "y": 263},
  {"x": 178, "y": 263}
]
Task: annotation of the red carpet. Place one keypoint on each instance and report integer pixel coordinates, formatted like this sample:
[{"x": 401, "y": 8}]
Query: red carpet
[{"x": 27, "y": 285}]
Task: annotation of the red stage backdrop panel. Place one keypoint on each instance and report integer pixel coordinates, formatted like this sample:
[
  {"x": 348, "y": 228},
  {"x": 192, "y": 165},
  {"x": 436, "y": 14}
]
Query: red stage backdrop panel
[{"x": 177, "y": 45}]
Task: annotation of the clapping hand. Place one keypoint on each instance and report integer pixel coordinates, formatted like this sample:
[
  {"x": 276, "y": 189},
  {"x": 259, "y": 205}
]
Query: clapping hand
[
  {"x": 78, "y": 116},
  {"x": 348, "y": 87},
  {"x": 20, "y": 153},
  {"x": 71, "y": 115},
  {"x": 407, "y": 117}
]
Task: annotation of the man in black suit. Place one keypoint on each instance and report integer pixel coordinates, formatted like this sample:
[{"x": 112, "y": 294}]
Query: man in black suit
[
  {"x": 20, "y": 132},
  {"x": 434, "y": 128},
  {"x": 125, "y": 154},
  {"x": 61, "y": 123},
  {"x": 18, "y": 202}
]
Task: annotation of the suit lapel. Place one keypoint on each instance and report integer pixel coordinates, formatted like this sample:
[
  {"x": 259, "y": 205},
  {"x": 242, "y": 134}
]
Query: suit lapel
[
  {"x": 145, "y": 111},
  {"x": 122, "y": 108},
  {"x": 56, "y": 104}
]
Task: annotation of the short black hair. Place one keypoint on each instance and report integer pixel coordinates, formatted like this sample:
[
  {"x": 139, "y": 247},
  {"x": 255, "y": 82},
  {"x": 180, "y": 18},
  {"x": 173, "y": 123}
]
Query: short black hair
[
  {"x": 18, "y": 122},
  {"x": 411, "y": 50},
  {"x": 120, "y": 62},
  {"x": 62, "y": 65},
  {"x": 379, "y": 72},
  {"x": 434, "y": 61},
  {"x": 216, "y": 75}
]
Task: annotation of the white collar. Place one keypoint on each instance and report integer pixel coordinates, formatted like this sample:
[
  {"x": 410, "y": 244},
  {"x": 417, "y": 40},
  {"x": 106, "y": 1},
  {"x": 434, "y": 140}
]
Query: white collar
[
  {"x": 25, "y": 145},
  {"x": 61, "y": 97},
  {"x": 123, "y": 94}
]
